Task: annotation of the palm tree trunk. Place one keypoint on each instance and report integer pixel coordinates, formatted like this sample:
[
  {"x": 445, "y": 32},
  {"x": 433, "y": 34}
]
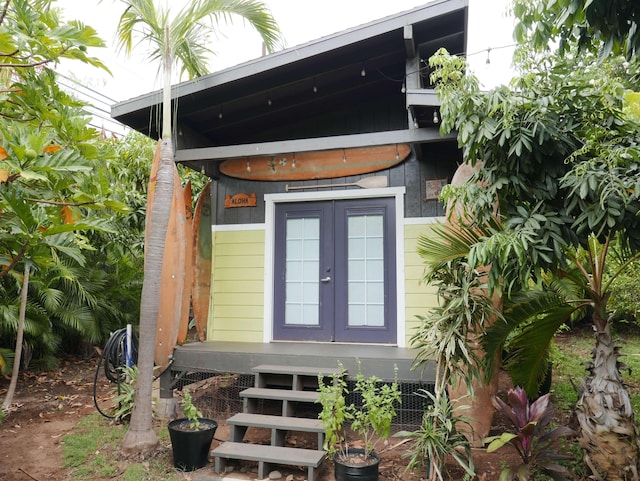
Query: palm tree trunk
[
  {"x": 608, "y": 432},
  {"x": 140, "y": 436},
  {"x": 8, "y": 400}
]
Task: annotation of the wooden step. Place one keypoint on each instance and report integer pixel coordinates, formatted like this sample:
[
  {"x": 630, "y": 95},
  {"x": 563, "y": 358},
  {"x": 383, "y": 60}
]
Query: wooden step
[
  {"x": 287, "y": 396},
  {"x": 283, "y": 394},
  {"x": 267, "y": 455},
  {"x": 279, "y": 426},
  {"x": 301, "y": 370},
  {"x": 291, "y": 377}
]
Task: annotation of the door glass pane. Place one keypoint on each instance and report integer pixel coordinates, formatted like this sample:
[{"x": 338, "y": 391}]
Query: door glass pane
[
  {"x": 365, "y": 236},
  {"x": 302, "y": 260}
]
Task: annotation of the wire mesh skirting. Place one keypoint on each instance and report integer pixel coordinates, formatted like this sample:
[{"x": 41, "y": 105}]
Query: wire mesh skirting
[
  {"x": 412, "y": 406},
  {"x": 217, "y": 395}
]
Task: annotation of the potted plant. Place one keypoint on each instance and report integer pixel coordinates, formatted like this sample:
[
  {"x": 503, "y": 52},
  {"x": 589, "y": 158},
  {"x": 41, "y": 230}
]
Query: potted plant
[
  {"x": 438, "y": 437},
  {"x": 191, "y": 437},
  {"x": 371, "y": 420}
]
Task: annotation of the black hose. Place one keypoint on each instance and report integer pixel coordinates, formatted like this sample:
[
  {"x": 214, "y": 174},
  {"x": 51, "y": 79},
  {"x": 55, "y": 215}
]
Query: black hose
[{"x": 114, "y": 359}]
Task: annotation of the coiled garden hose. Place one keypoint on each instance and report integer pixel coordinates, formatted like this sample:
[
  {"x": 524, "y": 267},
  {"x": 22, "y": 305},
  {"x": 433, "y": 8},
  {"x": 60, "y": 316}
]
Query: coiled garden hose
[{"x": 114, "y": 357}]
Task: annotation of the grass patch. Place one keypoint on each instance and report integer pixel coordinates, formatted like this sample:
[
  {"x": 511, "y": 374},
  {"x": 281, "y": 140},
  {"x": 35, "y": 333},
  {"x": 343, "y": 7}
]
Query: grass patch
[
  {"x": 572, "y": 356},
  {"x": 89, "y": 452}
]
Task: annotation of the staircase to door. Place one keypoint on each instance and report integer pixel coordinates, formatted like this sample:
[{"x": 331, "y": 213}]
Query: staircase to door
[{"x": 292, "y": 388}]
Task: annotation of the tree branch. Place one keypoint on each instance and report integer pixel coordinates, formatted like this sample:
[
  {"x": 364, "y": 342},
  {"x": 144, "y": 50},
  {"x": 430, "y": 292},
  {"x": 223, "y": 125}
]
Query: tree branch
[
  {"x": 12, "y": 54},
  {"x": 53, "y": 202},
  {"x": 26, "y": 65},
  {"x": 15, "y": 260},
  {"x": 4, "y": 11}
]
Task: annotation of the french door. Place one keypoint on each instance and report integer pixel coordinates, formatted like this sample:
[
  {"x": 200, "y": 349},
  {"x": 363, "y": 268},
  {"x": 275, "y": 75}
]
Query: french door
[{"x": 335, "y": 271}]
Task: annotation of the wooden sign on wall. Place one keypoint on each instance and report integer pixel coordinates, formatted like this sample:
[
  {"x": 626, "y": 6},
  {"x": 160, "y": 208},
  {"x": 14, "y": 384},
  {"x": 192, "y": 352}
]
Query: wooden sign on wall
[
  {"x": 433, "y": 187},
  {"x": 240, "y": 200}
]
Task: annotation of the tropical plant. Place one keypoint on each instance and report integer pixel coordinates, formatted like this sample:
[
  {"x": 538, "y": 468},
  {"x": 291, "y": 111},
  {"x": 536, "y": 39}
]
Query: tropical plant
[
  {"x": 437, "y": 437},
  {"x": 560, "y": 157},
  {"x": 191, "y": 412},
  {"x": 449, "y": 334},
  {"x": 624, "y": 302},
  {"x": 371, "y": 419},
  {"x": 125, "y": 393},
  {"x": 530, "y": 320},
  {"x": 46, "y": 154},
  {"x": 533, "y": 438},
  {"x": 180, "y": 39},
  {"x": 334, "y": 411},
  {"x": 610, "y": 25},
  {"x": 444, "y": 332}
]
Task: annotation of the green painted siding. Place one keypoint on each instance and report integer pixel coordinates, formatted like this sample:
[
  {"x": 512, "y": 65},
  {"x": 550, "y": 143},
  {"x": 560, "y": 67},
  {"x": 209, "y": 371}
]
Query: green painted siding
[
  {"x": 418, "y": 297},
  {"x": 237, "y": 286}
]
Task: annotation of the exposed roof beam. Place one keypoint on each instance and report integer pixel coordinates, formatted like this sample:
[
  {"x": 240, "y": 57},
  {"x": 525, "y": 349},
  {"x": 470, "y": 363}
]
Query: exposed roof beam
[
  {"x": 409, "y": 41},
  {"x": 417, "y": 136},
  {"x": 422, "y": 97}
]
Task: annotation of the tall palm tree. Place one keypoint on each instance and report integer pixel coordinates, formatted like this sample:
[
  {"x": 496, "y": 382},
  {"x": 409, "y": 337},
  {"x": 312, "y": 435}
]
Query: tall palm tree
[{"x": 176, "y": 40}]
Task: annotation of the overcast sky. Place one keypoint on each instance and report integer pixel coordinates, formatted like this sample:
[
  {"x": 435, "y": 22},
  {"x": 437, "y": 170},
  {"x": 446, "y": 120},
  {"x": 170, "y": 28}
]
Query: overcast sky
[{"x": 299, "y": 20}]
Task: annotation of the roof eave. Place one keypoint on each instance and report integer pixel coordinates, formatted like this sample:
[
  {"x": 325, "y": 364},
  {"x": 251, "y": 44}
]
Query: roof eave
[{"x": 293, "y": 54}]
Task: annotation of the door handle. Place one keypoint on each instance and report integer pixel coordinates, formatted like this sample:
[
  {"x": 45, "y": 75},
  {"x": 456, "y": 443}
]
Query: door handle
[{"x": 325, "y": 279}]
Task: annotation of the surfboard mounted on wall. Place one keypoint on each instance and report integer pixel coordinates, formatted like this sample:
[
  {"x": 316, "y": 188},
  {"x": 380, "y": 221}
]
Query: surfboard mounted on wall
[
  {"x": 183, "y": 328},
  {"x": 201, "y": 289},
  {"x": 324, "y": 164},
  {"x": 172, "y": 277}
]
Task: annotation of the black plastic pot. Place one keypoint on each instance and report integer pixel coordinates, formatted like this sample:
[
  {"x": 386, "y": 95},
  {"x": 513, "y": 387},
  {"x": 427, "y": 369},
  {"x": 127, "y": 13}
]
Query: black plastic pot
[
  {"x": 348, "y": 472},
  {"x": 191, "y": 447}
]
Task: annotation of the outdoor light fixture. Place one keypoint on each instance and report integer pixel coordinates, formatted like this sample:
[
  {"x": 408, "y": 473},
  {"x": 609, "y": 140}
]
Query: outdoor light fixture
[{"x": 436, "y": 119}]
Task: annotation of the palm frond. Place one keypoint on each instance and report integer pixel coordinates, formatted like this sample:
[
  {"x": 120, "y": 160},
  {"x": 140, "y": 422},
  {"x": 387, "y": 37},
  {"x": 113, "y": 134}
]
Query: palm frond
[
  {"x": 530, "y": 321},
  {"x": 190, "y": 29},
  {"x": 446, "y": 241}
]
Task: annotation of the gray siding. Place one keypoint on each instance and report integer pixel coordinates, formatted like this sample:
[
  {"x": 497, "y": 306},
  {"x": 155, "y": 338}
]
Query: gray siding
[{"x": 438, "y": 160}]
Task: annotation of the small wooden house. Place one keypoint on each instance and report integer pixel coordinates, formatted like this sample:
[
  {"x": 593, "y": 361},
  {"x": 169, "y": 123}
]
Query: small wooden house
[{"x": 326, "y": 161}]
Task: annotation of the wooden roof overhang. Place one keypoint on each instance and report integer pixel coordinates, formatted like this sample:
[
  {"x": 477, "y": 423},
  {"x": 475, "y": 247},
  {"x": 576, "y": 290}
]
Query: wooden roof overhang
[{"x": 309, "y": 97}]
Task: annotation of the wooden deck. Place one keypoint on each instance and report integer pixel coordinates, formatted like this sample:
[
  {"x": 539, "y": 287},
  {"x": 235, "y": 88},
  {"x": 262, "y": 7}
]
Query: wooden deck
[{"x": 241, "y": 357}]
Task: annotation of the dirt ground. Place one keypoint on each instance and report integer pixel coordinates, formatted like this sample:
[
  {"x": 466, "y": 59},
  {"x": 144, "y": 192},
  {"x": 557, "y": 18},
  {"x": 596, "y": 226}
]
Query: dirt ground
[{"x": 48, "y": 405}]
